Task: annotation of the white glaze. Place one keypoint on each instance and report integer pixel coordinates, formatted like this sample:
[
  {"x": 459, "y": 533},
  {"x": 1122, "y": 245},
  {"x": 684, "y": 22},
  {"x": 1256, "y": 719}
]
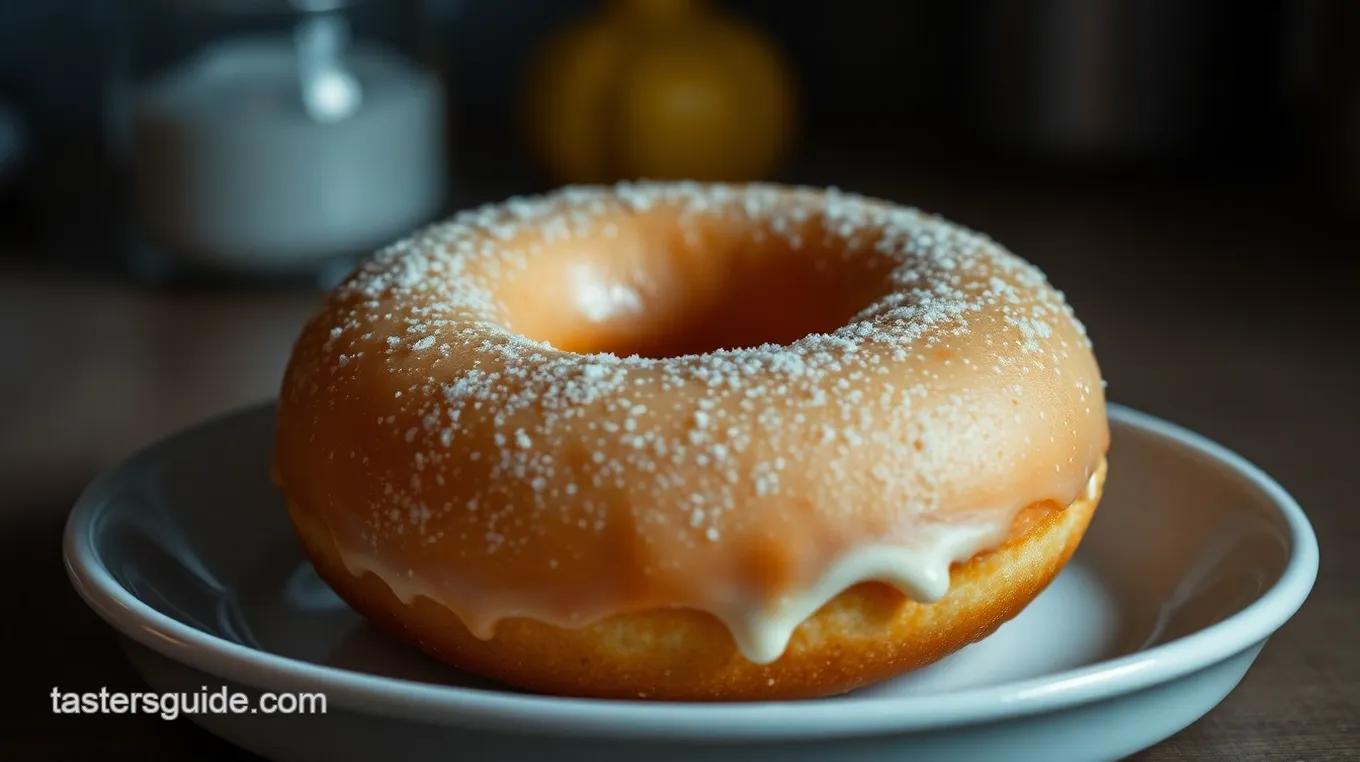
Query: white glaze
[{"x": 761, "y": 632}]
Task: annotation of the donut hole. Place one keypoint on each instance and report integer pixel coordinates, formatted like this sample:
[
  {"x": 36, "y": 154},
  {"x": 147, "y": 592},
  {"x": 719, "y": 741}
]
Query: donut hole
[{"x": 660, "y": 287}]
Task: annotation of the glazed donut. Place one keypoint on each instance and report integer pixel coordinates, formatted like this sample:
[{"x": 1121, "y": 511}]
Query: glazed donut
[{"x": 684, "y": 441}]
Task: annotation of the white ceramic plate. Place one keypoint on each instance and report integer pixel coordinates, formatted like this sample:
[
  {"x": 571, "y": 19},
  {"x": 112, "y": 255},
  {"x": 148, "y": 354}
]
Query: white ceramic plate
[{"x": 1193, "y": 560}]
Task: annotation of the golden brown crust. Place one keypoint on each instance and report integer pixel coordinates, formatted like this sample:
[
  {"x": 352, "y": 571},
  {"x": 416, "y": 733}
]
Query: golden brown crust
[
  {"x": 867, "y": 634},
  {"x": 689, "y": 414}
]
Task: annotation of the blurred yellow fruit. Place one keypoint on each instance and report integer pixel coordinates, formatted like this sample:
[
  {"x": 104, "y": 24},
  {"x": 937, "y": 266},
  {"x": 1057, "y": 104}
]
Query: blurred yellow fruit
[{"x": 661, "y": 89}]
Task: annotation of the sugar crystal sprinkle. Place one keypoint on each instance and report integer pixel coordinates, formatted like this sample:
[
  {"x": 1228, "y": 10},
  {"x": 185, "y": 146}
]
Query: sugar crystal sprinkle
[{"x": 563, "y": 428}]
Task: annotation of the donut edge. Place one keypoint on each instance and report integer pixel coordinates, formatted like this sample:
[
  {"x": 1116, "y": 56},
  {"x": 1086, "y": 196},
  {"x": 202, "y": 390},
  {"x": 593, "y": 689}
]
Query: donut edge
[{"x": 867, "y": 634}]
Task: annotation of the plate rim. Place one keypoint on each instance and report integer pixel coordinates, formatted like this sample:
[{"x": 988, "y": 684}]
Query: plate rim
[{"x": 458, "y": 706}]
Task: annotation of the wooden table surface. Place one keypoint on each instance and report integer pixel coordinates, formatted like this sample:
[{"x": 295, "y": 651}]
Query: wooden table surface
[{"x": 1230, "y": 317}]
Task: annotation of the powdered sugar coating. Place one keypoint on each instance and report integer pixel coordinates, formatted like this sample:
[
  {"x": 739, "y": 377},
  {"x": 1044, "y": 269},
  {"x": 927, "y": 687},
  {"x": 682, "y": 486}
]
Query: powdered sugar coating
[{"x": 935, "y": 399}]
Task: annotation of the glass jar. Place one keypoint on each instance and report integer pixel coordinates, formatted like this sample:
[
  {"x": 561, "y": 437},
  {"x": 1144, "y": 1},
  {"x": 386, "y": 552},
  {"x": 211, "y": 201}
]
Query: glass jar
[{"x": 274, "y": 138}]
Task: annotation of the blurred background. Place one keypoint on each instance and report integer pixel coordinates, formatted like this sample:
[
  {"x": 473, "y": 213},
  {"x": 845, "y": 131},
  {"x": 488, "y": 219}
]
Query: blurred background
[
  {"x": 180, "y": 181},
  {"x": 101, "y": 103}
]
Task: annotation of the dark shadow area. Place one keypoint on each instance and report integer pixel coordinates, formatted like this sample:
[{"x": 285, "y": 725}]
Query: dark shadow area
[{"x": 55, "y": 641}]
